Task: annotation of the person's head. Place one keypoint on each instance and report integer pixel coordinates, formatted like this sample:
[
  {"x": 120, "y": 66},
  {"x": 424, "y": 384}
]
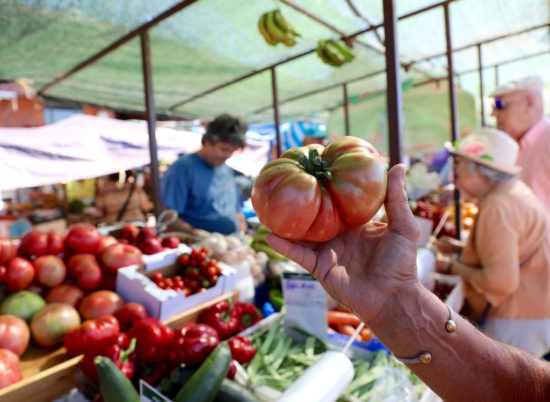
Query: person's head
[
  {"x": 518, "y": 105},
  {"x": 224, "y": 135},
  {"x": 483, "y": 159}
]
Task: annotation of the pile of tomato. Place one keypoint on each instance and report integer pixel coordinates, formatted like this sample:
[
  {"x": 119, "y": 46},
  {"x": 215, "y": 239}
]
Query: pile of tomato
[{"x": 197, "y": 272}]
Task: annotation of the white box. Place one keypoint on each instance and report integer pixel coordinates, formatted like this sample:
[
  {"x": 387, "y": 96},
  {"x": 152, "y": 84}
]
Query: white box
[
  {"x": 133, "y": 285},
  {"x": 455, "y": 299},
  {"x": 164, "y": 258}
]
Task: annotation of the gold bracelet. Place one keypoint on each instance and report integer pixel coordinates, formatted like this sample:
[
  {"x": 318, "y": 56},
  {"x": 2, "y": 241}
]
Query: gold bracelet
[{"x": 426, "y": 357}]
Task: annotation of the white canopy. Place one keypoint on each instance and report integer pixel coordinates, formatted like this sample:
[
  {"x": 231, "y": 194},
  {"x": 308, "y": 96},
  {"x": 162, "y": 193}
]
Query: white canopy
[{"x": 84, "y": 146}]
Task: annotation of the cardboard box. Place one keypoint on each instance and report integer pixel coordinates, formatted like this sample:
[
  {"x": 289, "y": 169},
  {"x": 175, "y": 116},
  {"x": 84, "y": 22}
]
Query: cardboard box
[
  {"x": 134, "y": 285},
  {"x": 164, "y": 258}
]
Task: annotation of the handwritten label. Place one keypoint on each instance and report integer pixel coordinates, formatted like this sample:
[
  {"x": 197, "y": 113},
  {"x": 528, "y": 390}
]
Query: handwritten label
[{"x": 305, "y": 304}]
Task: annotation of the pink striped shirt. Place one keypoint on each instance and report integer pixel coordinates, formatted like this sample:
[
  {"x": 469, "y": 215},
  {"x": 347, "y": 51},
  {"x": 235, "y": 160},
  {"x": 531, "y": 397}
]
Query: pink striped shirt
[{"x": 534, "y": 159}]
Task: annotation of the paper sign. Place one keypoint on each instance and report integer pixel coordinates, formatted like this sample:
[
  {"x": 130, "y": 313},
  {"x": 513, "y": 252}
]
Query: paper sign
[
  {"x": 305, "y": 304},
  {"x": 147, "y": 393}
]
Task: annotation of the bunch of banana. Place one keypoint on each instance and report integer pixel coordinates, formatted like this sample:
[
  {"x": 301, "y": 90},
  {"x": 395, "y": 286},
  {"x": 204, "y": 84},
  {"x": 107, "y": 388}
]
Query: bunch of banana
[
  {"x": 275, "y": 29},
  {"x": 334, "y": 52},
  {"x": 259, "y": 244}
]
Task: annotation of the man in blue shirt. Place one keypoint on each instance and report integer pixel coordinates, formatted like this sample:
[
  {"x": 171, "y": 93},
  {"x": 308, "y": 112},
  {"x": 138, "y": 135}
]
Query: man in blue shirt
[{"x": 201, "y": 187}]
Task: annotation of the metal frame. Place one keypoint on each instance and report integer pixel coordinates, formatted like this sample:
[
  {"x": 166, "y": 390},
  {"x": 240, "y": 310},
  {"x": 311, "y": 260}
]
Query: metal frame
[{"x": 393, "y": 65}]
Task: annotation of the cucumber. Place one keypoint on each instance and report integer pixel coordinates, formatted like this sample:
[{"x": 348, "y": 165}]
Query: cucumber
[
  {"x": 230, "y": 391},
  {"x": 114, "y": 385},
  {"x": 205, "y": 383}
]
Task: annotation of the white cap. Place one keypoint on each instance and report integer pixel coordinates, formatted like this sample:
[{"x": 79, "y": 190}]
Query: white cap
[{"x": 531, "y": 83}]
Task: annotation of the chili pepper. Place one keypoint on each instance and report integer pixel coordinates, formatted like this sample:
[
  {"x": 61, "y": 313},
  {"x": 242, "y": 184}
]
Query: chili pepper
[
  {"x": 193, "y": 343},
  {"x": 121, "y": 352},
  {"x": 218, "y": 317},
  {"x": 246, "y": 314},
  {"x": 232, "y": 370},
  {"x": 92, "y": 335},
  {"x": 154, "y": 339},
  {"x": 242, "y": 349}
]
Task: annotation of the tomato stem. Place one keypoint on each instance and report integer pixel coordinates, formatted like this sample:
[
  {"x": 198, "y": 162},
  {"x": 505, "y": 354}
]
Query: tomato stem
[{"x": 316, "y": 166}]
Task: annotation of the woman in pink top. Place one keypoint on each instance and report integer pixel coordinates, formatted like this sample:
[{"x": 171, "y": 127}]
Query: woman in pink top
[{"x": 505, "y": 263}]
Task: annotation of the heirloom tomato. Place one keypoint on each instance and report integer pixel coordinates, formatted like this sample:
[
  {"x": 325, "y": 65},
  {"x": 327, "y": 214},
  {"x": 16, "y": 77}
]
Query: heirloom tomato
[{"x": 313, "y": 193}]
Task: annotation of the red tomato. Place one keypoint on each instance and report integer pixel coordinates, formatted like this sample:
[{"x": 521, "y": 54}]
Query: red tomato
[
  {"x": 313, "y": 193},
  {"x": 119, "y": 255},
  {"x": 8, "y": 250},
  {"x": 19, "y": 274},
  {"x": 107, "y": 241},
  {"x": 102, "y": 302},
  {"x": 171, "y": 242},
  {"x": 65, "y": 293},
  {"x": 34, "y": 243},
  {"x": 49, "y": 325},
  {"x": 86, "y": 271},
  {"x": 55, "y": 243},
  {"x": 50, "y": 270},
  {"x": 83, "y": 238},
  {"x": 14, "y": 334},
  {"x": 129, "y": 233},
  {"x": 9, "y": 367}
]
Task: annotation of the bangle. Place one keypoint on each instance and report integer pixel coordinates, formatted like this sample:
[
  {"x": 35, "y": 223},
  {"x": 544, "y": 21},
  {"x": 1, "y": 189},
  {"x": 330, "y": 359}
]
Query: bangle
[{"x": 426, "y": 357}]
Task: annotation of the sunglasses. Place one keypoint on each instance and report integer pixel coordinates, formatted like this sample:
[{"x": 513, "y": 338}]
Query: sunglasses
[{"x": 501, "y": 104}]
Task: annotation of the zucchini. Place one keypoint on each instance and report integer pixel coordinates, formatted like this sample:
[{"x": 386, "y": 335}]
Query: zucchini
[
  {"x": 205, "y": 383},
  {"x": 114, "y": 385},
  {"x": 230, "y": 391}
]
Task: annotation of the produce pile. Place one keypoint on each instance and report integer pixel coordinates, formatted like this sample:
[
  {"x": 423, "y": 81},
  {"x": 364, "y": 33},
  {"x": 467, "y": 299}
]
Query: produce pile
[{"x": 50, "y": 284}]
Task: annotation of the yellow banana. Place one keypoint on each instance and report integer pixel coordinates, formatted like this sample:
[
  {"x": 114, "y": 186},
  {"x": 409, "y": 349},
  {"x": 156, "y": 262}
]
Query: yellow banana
[
  {"x": 277, "y": 33},
  {"x": 333, "y": 57},
  {"x": 344, "y": 50},
  {"x": 283, "y": 23},
  {"x": 263, "y": 30}
]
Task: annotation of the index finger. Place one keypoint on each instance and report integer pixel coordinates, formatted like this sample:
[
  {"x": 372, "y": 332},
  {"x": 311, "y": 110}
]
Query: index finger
[{"x": 299, "y": 253}]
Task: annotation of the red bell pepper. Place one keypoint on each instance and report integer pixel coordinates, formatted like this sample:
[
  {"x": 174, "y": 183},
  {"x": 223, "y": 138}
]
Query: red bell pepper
[
  {"x": 92, "y": 335},
  {"x": 9, "y": 367},
  {"x": 154, "y": 339},
  {"x": 246, "y": 314},
  {"x": 121, "y": 352},
  {"x": 193, "y": 343},
  {"x": 218, "y": 317},
  {"x": 242, "y": 349}
]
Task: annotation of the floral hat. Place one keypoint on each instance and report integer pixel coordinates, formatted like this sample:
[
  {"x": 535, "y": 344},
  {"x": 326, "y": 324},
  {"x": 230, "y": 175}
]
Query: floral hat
[{"x": 489, "y": 147}]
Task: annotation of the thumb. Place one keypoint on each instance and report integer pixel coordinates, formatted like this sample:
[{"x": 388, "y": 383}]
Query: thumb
[
  {"x": 400, "y": 217},
  {"x": 299, "y": 253}
]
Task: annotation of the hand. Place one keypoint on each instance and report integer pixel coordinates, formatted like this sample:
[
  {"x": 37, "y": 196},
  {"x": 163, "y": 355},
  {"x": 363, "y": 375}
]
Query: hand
[
  {"x": 364, "y": 267},
  {"x": 442, "y": 264},
  {"x": 449, "y": 245}
]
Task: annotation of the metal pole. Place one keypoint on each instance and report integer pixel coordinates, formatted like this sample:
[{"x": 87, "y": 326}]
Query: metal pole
[
  {"x": 346, "y": 107},
  {"x": 481, "y": 92},
  {"x": 452, "y": 104},
  {"x": 393, "y": 94},
  {"x": 150, "y": 112},
  {"x": 276, "y": 110},
  {"x": 497, "y": 78}
]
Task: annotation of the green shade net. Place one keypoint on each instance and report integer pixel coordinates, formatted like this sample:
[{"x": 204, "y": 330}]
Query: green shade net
[{"x": 213, "y": 42}]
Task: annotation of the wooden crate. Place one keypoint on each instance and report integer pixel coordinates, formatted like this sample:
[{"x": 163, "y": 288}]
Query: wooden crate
[{"x": 49, "y": 374}]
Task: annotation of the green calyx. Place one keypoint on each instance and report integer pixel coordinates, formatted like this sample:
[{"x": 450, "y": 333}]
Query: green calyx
[{"x": 316, "y": 166}]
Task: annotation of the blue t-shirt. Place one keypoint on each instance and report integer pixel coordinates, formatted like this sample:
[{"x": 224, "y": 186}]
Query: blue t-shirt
[{"x": 207, "y": 198}]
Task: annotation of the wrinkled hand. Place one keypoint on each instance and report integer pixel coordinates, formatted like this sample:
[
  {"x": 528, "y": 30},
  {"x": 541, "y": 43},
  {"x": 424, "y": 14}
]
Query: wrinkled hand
[{"x": 364, "y": 267}]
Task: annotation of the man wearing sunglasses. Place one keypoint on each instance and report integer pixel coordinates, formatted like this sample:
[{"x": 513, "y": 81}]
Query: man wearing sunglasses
[{"x": 519, "y": 110}]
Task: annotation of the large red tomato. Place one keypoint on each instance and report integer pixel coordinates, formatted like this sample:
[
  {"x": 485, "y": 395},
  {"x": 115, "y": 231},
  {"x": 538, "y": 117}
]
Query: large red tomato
[
  {"x": 14, "y": 334},
  {"x": 120, "y": 255},
  {"x": 314, "y": 193},
  {"x": 55, "y": 243},
  {"x": 83, "y": 238},
  {"x": 50, "y": 270},
  {"x": 49, "y": 325},
  {"x": 86, "y": 270},
  {"x": 65, "y": 293}
]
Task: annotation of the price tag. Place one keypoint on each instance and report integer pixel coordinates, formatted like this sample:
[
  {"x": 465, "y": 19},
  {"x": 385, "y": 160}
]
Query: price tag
[
  {"x": 147, "y": 393},
  {"x": 305, "y": 304}
]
